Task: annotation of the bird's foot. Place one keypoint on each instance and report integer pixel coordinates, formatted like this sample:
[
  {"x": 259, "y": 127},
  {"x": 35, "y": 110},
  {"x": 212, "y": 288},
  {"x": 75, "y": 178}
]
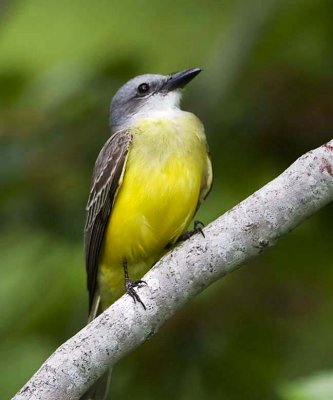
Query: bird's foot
[
  {"x": 131, "y": 285},
  {"x": 198, "y": 225},
  {"x": 130, "y": 289}
]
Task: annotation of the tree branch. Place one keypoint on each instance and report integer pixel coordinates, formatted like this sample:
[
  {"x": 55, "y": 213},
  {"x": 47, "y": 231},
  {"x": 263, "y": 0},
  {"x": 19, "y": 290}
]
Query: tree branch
[{"x": 234, "y": 238}]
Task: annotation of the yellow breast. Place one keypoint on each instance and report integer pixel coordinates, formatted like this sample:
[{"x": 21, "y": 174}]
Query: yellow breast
[{"x": 158, "y": 197}]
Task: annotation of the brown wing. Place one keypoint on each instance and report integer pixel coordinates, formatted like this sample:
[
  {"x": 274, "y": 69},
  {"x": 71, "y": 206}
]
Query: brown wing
[{"x": 107, "y": 178}]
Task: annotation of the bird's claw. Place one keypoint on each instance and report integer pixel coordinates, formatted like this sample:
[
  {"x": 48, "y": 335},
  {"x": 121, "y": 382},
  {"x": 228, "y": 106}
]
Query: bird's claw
[
  {"x": 198, "y": 225},
  {"x": 130, "y": 290}
]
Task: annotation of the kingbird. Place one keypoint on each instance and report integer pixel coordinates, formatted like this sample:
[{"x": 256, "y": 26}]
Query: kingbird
[{"x": 148, "y": 182}]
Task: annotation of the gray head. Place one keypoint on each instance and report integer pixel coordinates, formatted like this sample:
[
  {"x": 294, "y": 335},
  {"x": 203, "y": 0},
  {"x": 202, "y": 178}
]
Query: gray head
[{"x": 147, "y": 94}]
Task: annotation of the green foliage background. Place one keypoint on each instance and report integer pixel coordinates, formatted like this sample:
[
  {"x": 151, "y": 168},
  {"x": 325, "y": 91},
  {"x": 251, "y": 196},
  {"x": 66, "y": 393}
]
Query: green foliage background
[{"x": 265, "y": 96}]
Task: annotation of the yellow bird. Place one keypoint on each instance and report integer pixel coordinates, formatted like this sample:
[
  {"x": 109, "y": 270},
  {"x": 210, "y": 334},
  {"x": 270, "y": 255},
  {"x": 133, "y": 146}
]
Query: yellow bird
[{"x": 148, "y": 182}]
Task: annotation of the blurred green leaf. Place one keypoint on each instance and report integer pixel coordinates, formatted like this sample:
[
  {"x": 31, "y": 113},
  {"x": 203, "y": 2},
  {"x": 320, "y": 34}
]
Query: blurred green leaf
[{"x": 319, "y": 387}]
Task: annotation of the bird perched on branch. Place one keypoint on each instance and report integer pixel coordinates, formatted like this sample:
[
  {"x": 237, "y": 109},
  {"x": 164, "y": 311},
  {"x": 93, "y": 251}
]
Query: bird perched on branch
[{"x": 148, "y": 182}]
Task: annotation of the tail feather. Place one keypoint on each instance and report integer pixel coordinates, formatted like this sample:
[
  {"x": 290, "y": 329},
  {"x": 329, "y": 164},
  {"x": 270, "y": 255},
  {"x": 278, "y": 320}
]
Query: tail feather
[
  {"x": 95, "y": 309},
  {"x": 99, "y": 390}
]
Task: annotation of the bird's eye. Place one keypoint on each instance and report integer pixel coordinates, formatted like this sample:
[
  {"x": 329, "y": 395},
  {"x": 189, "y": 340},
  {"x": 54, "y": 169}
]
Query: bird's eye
[{"x": 143, "y": 88}]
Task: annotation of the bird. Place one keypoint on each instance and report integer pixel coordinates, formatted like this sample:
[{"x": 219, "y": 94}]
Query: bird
[{"x": 148, "y": 182}]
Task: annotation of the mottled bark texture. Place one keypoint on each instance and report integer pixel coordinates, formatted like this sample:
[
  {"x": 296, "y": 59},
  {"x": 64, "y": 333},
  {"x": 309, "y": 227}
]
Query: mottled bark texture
[{"x": 234, "y": 238}]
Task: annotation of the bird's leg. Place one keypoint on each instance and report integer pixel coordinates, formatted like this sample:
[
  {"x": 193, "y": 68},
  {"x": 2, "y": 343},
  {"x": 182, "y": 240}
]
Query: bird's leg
[
  {"x": 131, "y": 285},
  {"x": 198, "y": 225}
]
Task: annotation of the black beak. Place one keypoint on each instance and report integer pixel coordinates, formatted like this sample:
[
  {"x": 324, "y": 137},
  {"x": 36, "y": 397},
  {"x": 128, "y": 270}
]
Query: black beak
[{"x": 180, "y": 79}]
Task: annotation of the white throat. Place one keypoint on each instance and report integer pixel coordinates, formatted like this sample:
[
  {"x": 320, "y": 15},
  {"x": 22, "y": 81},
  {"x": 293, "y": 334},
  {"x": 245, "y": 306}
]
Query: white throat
[{"x": 159, "y": 104}]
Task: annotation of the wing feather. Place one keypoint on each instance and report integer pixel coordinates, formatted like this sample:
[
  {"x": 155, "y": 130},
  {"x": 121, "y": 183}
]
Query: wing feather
[{"x": 107, "y": 177}]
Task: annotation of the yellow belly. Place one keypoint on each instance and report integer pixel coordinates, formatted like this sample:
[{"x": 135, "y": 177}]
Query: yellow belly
[{"x": 156, "y": 201}]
